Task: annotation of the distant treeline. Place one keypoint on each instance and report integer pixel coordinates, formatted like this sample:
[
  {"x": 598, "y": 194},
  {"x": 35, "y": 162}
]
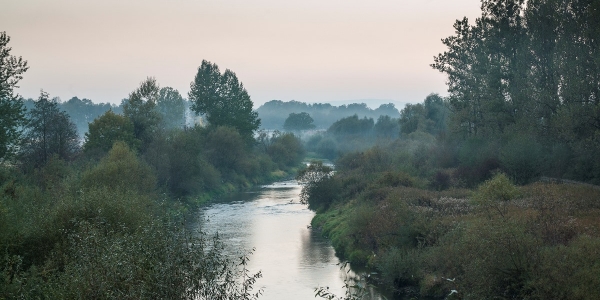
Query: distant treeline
[{"x": 274, "y": 113}]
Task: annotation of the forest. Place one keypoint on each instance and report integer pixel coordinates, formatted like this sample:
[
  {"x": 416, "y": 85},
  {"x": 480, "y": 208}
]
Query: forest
[{"x": 491, "y": 192}]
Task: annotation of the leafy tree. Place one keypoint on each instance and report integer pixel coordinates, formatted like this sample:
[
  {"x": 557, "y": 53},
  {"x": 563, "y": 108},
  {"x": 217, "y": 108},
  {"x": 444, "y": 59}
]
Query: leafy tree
[
  {"x": 49, "y": 132},
  {"x": 437, "y": 112},
  {"x": 300, "y": 121},
  {"x": 172, "y": 108},
  {"x": 226, "y": 150},
  {"x": 140, "y": 108},
  {"x": 12, "y": 114},
  {"x": 189, "y": 172},
  {"x": 121, "y": 170},
  {"x": 412, "y": 118},
  {"x": 351, "y": 126},
  {"x": 106, "y": 130},
  {"x": 83, "y": 112},
  {"x": 387, "y": 127},
  {"x": 223, "y": 99},
  {"x": 484, "y": 64},
  {"x": 286, "y": 150},
  {"x": 319, "y": 188}
]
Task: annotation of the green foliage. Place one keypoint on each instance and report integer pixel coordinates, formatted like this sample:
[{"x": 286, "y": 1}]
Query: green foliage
[
  {"x": 171, "y": 106},
  {"x": 12, "y": 115},
  {"x": 188, "y": 172},
  {"x": 351, "y": 126},
  {"x": 84, "y": 111},
  {"x": 49, "y": 132},
  {"x": 106, "y": 130},
  {"x": 298, "y": 121},
  {"x": 412, "y": 118},
  {"x": 386, "y": 127},
  {"x": 499, "y": 188},
  {"x": 286, "y": 150},
  {"x": 226, "y": 150},
  {"x": 120, "y": 170},
  {"x": 223, "y": 99},
  {"x": 319, "y": 190},
  {"x": 140, "y": 108},
  {"x": 521, "y": 158}
]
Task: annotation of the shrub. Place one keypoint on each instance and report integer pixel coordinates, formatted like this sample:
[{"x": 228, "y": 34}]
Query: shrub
[
  {"x": 499, "y": 188},
  {"x": 120, "y": 169}
]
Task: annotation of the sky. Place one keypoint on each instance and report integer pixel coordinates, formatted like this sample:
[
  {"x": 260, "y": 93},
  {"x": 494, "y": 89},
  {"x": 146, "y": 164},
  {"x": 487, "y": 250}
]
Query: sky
[{"x": 305, "y": 50}]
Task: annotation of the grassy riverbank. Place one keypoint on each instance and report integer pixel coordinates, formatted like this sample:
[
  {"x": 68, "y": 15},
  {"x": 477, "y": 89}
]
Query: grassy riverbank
[{"x": 498, "y": 240}]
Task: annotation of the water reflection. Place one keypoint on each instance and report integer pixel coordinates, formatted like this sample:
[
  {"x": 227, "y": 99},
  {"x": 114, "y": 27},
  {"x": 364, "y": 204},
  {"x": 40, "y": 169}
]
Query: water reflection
[{"x": 293, "y": 258}]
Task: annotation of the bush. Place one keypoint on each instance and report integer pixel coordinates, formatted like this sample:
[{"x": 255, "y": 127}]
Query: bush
[
  {"x": 120, "y": 169},
  {"x": 521, "y": 158},
  {"x": 499, "y": 188}
]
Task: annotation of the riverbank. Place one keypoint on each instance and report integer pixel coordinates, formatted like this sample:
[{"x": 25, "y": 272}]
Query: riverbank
[{"x": 537, "y": 241}]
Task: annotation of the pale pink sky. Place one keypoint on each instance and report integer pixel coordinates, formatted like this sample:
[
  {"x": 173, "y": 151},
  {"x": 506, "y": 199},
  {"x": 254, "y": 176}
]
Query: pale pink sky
[{"x": 307, "y": 50}]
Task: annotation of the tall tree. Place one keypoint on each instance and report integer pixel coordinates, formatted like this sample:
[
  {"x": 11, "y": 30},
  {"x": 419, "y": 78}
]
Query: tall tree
[
  {"x": 485, "y": 69},
  {"x": 106, "y": 130},
  {"x": 223, "y": 99},
  {"x": 12, "y": 113},
  {"x": 172, "y": 108},
  {"x": 49, "y": 132},
  {"x": 140, "y": 108}
]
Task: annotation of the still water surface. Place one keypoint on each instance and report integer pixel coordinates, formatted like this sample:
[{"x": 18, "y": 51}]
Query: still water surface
[{"x": 293, "y": 258}]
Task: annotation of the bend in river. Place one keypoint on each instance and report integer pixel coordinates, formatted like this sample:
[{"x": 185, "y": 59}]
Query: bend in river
[{"x": 293, "y": 258}]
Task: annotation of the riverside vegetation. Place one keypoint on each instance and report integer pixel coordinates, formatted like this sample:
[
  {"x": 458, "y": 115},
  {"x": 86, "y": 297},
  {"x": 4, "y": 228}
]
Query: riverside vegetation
[
  {"x": 106, "y": 220},
  {"x": 492, "y": 192}
]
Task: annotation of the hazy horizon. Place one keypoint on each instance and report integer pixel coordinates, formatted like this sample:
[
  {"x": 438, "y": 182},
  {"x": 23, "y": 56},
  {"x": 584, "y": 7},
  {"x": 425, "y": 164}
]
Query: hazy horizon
[{"x": 309, "y": 51}]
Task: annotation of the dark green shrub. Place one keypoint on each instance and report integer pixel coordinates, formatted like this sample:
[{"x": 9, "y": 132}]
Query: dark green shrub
[
  {"x": 521, "y": 158},
  {"x": 120, "y": 169}
]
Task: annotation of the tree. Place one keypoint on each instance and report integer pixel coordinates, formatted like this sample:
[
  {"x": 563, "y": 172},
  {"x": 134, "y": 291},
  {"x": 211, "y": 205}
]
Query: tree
[
  {"x": 225, "y": 150},
  {"x": 172, "y": 108},
  {"x": 486, "y": 69},
  {"x": 83, "y": 111},
  {"x": 121, "y": 170},
  {"x": 351, "y": 126},
  {"x": 49, "y": 132},
  {"x": 140, "y": 108},
  {"x": 320, "y": 189},
  {"x": 387, "y": 127},
  {"x": 106, "y": 130},
  {"x": 300, "y": 121},
  {"x": 286, "y": 150},
  {"x": 223, "y": 99},
  {"x": 12, "y": 113}
]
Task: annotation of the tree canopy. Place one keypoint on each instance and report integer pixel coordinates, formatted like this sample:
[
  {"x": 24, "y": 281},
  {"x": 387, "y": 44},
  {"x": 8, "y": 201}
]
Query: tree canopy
[
  {"x": 299, "y": 121},
  {"x": 140, "y": 108},
  {"x": 12, "y": 114},
  {"x": 49, "y": 132},
  {"x": 106, "y": 130},
  {"x": 172, "y": 108},
  {"x": 223, "y": 99}
]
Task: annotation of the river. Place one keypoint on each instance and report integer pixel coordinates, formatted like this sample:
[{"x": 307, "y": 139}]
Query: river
[{"x": 293, "y": 258}]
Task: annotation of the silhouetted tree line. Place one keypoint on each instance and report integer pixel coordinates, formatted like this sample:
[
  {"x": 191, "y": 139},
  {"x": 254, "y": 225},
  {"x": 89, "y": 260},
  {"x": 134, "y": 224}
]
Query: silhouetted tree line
[{"x": 273, "y": 114}]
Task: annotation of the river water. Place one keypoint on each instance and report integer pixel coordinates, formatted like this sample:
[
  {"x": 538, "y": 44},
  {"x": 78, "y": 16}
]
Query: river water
[{"x": 293, "y": 258}]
